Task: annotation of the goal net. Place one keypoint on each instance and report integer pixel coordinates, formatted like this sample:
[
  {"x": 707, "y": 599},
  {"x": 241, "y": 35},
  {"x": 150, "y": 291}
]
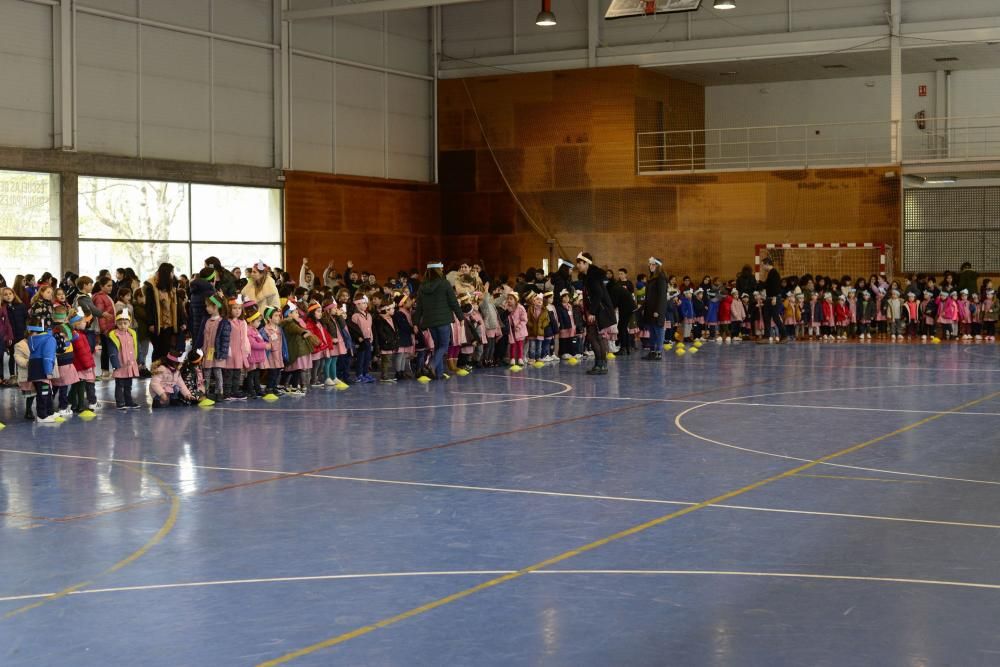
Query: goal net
[{"x": 827, "y": 259}]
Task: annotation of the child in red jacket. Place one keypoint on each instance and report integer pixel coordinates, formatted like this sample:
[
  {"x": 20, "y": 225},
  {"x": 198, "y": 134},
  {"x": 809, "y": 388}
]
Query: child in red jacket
[{"x": 84, "y": 392}]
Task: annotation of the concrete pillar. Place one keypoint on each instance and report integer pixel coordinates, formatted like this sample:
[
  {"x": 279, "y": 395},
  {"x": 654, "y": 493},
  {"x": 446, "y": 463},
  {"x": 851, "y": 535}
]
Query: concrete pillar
[{"x": 69, "y": 215}]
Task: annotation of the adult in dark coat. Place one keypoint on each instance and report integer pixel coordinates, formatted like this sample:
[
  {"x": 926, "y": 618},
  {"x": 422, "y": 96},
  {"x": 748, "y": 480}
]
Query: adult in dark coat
[
  {"x": 200, "y": 289},
  {"x": 654, "y": 308},
  {"x": 599, "y": 311},
  {"x": 772, "y": 301},
  {"x": 225, "y": 281},
  {"x": 165, "y": 314},
  {"x": 562, "y": 279},
  {"x": 621, "y": 297},
  {"x": 436, "y": 306}
]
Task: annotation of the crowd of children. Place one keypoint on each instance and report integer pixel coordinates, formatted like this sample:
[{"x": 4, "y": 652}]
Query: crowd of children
[{"x": 337, "y": 330}]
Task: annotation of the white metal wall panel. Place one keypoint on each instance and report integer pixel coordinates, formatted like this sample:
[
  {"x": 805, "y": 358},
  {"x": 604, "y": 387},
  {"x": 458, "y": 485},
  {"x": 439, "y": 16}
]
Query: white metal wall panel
[
  {"x": 658, "y": 28},
  {"x": 830, "y": 14},
  {"x": 107, "y": 85},
  {"x": 478, "y": 29},
  {"x": 26, "y": 103},
  {"x": 242, "y": 105},
  {"x": 935, "y": 10},
  {"x": 756, "y": 18},
  {"x": 409, "y": 128},
  {"x": 250, "y": 19},
  {"x": 126, "y": 7},
  {"x": 360, "y": 118},
  {"x": 312, "y": 114},
  {"x": 360, "y": 38},
  {"x": 174, "y": 108},
  {"x": 314, "y": 35},
  {"x": 188, "y": 13},
  {"x": 410, "y": 41}
]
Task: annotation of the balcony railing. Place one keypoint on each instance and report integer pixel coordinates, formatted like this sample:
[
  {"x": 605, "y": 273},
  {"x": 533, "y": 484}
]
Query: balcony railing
[{"x": 818, "y": 145}]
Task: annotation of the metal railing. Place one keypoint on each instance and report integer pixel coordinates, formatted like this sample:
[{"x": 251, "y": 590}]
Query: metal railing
[
  {"x": 765, "y": 147},
  {"x": 866, "y": 143},
  {"x": 954, "y": 138}
]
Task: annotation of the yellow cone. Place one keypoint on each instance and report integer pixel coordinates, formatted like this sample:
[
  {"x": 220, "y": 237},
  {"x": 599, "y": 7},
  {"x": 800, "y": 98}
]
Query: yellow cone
[
  {"x": 422, "y": 379},
  {"x": 538, "y": 364},
  {"x": 270, "y": 398},
  {"x": 611, "y": 355},
  {"x": 679, "y": 352},
  {"x": 462, "y": 372},
  {"x": 206, "y": 403},
  {"x": 935, "y": 340},
  {"x": 693, "y": 351},
  {"x": 2, "y": 426},
  {"x": 515, "y": 369},
  {"x": 572, "y": 361},
  {"x": 341, "y": 386},
  {"x": 60, "y": 420}
]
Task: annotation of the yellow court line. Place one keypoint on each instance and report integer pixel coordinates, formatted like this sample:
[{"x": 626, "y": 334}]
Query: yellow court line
[
  {"x": 867, "y": 479},
  {"x": 460, "y": 595},
  {"x": 168, "y": 525}
]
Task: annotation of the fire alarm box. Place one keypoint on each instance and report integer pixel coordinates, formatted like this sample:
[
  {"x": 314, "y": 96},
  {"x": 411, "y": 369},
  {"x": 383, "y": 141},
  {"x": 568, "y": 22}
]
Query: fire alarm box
[{"x": 922, "y": 90}]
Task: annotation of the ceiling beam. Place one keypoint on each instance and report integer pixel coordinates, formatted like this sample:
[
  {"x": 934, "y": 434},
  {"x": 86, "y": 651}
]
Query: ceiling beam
[{"x": 367, "y": 7}]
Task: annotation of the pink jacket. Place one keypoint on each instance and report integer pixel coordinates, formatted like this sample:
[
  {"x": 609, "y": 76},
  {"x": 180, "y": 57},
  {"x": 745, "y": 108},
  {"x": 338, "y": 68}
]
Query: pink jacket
[
  {"x": 104, "y": 303},
  {"x": 518, "y": 324},
  {"x": 364, "y": 322},
  {"x": 948, "y": 310},
  {"x": 258, "y": 348},
  {"x": 239, "y": 346},
  {"x": 275, "y": 355},
  {"x": 963, "y": 312},
  {"x": 165, "y": 381}
]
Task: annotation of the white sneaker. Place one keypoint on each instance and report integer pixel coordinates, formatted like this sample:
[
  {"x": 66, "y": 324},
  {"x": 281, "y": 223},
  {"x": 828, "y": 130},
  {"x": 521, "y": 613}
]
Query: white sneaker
[
  {"x": 923, "y": 337},
  {"x": 978, "y": 337},
  {"x": 66, "y": 412},
  {"x": 771, "y": 339},
  {"x": 96, "y": 406},
  {"x": 330, "y": 382},
  {"x": 51, "y": 419},
  {"x": 566, "y": 356}
]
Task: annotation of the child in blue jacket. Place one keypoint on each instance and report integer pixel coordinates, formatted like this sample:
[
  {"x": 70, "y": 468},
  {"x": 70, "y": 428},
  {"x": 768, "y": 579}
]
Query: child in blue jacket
[{"x": 42, "y": 368}]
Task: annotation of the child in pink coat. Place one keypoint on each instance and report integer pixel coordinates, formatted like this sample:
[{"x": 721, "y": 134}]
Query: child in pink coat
[
  {"x": 166, "y": 385},
  {"x": 257, "y": 358},
  {"x": 238, "y": 353},
  {"x": 518, "y": 322},
  {"x": 948, "y": 315},
  {"x": 123, "y": 355}
]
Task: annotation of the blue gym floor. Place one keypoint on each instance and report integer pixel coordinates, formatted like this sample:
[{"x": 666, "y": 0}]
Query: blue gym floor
[{"x": 798, "y": 504}]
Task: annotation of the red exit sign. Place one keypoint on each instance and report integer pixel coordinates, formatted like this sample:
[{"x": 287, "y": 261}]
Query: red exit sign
[{"x": 922, "y": 90}]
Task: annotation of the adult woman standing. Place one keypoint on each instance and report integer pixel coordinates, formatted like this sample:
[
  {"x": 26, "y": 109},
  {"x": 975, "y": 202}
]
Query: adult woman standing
[
  {"x": 165, "y": 318},
  {"x": 261, "y": 287},
  {"x": 654, "y": 307},
  {"x": 436, "y": 307}
]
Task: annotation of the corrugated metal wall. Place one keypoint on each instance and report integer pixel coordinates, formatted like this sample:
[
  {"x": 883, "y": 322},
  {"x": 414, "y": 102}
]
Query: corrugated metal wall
[{"x": 195, "y": 80}]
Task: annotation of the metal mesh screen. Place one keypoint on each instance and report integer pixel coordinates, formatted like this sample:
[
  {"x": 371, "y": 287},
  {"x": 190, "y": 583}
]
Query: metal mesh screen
[
  {"x": 833, "y": 262},
  {"x": 944, "y": 227}
]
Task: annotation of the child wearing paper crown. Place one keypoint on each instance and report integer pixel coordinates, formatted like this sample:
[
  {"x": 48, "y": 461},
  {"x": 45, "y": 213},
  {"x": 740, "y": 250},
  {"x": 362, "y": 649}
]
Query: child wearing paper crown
[
  {"x": 257, "y": 359},
  {"x": 192, "y": 375},
  {"x": 300, "y": 345},
  {"x": 362, "y": 319},
  {"x": 321, "y": 351},
  {"x": 215, "y": 334},
  {"x": 237, "y": 354},
  {"x": 330, "y": 323},
  {"x": 123, "y": 355},
  {"x": 41, "y": 367},
  {"x": 83, "y": 362},
  {"x": 166, "y": 386},
  {"x": 276, "y": 348},
  {"x": 68, "y": 377},
  {"x": 388, "y": 342}
]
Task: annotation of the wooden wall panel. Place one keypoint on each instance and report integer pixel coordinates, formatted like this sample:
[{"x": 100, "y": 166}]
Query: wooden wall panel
[
  {"x": 570, "y": 159},
  {"x": 383, "y": 226}
]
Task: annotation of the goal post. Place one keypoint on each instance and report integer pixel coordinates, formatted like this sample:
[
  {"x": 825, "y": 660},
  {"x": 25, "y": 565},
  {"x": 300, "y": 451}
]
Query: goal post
[{"x": 858, "y": 260}]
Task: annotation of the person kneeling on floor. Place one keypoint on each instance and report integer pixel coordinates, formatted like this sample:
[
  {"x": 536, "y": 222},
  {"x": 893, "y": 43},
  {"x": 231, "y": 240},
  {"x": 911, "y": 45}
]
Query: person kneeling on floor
[{"x": 167, "y": 387}]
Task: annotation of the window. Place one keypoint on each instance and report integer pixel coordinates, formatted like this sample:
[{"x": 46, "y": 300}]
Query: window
[
  {"x": 29, "y": 223},
  {"x": 141, "y": 224}
]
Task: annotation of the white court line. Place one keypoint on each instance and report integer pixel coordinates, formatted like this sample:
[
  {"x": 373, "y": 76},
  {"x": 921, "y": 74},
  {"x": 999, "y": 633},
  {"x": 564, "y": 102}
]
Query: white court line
[
  {"x": 553, "y": 494},
  {"x": 761, "y": 405},
  {"x": 521, "y": 397},
  {"x": 680, "y": 426},
  {"x": 446, "y": 573}
]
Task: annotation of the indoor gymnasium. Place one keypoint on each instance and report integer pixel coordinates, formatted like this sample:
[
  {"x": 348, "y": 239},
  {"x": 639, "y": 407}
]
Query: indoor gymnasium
[{"x": 499, "y": 332}]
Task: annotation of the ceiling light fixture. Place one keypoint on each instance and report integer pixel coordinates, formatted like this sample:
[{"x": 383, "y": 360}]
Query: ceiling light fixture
[
  {"x": 545, "y": 17},
  {"x": 724, "y": 4},
  {"x": 940, "y": 180}
]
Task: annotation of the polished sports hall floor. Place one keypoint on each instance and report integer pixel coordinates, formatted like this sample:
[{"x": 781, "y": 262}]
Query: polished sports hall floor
[{"x": 800, "y": 504}]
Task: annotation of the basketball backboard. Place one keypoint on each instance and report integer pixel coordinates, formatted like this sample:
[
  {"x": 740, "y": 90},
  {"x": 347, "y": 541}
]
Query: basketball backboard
[{"x": 620, "y": 9}]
